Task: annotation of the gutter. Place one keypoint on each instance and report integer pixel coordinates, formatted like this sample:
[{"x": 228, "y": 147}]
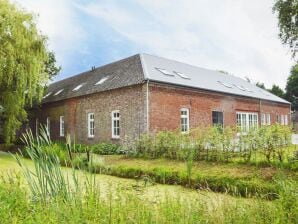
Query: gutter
[{"x": 147, "y": 105}]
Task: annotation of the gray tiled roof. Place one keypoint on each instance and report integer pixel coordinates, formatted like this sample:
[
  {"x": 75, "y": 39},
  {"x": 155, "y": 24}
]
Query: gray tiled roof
[
  {"x": 125, "y": 72},
  {"x": 141, "y": 67}
]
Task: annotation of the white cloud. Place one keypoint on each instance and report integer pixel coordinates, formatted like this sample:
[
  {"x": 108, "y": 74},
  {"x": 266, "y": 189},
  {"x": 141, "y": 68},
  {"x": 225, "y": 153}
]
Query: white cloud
[
  {"x": 58, "y": 20},
  {"x": 237, "y": 36},
  {"x": 240, "y": 37}
]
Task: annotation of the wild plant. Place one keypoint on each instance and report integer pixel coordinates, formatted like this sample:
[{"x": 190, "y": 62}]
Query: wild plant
[{"x": 47, "y": 180}]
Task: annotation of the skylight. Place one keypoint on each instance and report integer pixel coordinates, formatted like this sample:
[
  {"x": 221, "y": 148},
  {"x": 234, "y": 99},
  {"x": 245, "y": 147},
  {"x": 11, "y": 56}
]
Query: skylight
[
  {"x": 58, "y": 92},
  {"x": 47, "y": 95},
  {"x": 225, "y": 84},
  {"x": 165, "y": 72},
  {"x": 182, "y": 75},
  {"x": 240, "y": 87},
  {"x": 101, "y": 81},
  {"x": 249, "y": 90},
  {"x": 77, "y": 87}
]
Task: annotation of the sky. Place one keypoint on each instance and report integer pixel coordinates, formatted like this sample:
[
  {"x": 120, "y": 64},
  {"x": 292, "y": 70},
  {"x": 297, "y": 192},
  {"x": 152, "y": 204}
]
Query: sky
[{"x": 239, "y": 37}]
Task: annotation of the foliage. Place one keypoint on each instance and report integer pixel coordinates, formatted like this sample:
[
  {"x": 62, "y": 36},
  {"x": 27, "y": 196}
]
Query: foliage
[
  {"x": 122, "y": 206},
  {"x": 276, "y": 90},
  {"x": 24, "y": 66},
  {"x": 292, "y": 87},
  {"x": 261, "y": 85},
  {"x": 47, "y": 182},
  {"x": 287, "y": 14},
  {"x": 50, "y": 65},
  {"x": 215, "y": 144},
  {"x": 105, "y": 149}
]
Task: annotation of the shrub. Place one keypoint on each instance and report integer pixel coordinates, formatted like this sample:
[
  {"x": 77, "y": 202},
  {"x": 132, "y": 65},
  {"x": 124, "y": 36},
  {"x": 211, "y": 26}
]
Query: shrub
[
  {"x": 217, "y": 144},
  {"x": 105, "y": 149}
]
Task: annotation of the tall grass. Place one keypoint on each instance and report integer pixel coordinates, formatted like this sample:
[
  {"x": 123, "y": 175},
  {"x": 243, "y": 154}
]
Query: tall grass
[
  {"x": 47, "y": 180},
  {"x": 58, "y": 198}
]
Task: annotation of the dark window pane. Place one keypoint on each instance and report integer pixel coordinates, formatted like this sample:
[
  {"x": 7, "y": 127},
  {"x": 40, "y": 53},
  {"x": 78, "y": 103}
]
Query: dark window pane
[{"x": 217, "y": 118}]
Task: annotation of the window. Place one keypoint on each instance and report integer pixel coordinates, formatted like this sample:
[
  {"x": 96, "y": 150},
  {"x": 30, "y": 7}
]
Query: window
[
  {"x": 225, "y": 84},
  {"x": 247, "y": 121},
  {"x": 48, "y": 125},
  {"x": 164, "y": 71},
  {"x": 61, "y": 126},
  {"x": 278, "y": 118},
  {"x": 182, "y": 75},
  {"x": 58, "y": 92},
  {"x": 268, "y": 119},
  {"x": 77, "y": 87},
  {"x": 90, "y": 125},
  {"x": 286, "y": 120},
  {"x": 240, "y": 87},
  {"x": 115, "y": 124},
  {"x": 47, "y": 95},
  {"x": 184, "y": 117},
  {"x": 263, "y": 120},
  {"x": 217, "y": 118},
  {"x": 282, "y": 120},
  {"x": 101, "y": 81}
]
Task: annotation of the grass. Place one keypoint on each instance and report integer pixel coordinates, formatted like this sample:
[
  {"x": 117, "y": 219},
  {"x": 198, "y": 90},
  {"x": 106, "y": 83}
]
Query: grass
[
  {"x": 152, "y": 192},
  {"x": 232, "y": 178},
  {"x": 202, "y": 167},
  {"x": 119, "y": 200}
]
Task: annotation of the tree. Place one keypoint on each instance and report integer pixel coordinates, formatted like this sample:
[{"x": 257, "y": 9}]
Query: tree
[
  {"x": 287, "y": 14},
  {"x": 276, "y": 90},
  {"x": 50, "y": 66},
  {"x": 292, "y": 87},
  {"x": 260, "y": 85},
  {"x": 25, "y": 66}
]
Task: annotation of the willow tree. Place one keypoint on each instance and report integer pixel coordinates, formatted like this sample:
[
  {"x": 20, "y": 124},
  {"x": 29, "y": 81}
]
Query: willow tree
[{"x": 23, "y": 56}]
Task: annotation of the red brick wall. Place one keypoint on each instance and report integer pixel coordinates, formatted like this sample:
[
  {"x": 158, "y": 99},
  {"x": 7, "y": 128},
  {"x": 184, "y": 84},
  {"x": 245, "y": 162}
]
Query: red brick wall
[
  {"x": 129, "y": 101},
  {"x": 166, "y": 102},
  {"x": 164, "y": 111}
]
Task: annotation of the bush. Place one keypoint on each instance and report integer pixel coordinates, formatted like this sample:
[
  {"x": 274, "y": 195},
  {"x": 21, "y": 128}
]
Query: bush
[
  {"x": 105, "y": 149},
  {"x": 217, "y": 144}
]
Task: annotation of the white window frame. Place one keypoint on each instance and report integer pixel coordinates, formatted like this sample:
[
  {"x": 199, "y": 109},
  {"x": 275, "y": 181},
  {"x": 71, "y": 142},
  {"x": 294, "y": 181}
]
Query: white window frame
[
  {"x": 115, "y": 135},
  {"x": 91, "y": 125},
  {"x": 184, "y": 125},
  {"x": 268, "y": 119},
  {"x": 286, "y": 120},
  {"x": 263, "y": 119},
  {"x": 48, "y": 125},
  {"x": 282, "y": 119},
  {"x": 247, "y": 120},
  {"x": 61, "y": 126}
]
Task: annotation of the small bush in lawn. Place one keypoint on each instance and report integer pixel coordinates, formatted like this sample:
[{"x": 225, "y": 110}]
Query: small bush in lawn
[{"x": 105, "y": 149}]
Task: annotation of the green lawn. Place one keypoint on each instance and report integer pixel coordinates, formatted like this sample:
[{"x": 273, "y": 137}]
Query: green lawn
[
  {"x": 124, "y": 200},
  {"x": 152, "y": 192},
  {"x": 242, "y": 171}
]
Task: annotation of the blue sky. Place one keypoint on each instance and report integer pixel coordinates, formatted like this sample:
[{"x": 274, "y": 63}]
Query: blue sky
[{"x": 240, "y": 37}]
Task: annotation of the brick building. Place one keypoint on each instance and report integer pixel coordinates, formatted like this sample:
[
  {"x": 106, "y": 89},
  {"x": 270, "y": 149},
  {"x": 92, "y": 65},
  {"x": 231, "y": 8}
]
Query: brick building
[{"x": 145, "y": 94}]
